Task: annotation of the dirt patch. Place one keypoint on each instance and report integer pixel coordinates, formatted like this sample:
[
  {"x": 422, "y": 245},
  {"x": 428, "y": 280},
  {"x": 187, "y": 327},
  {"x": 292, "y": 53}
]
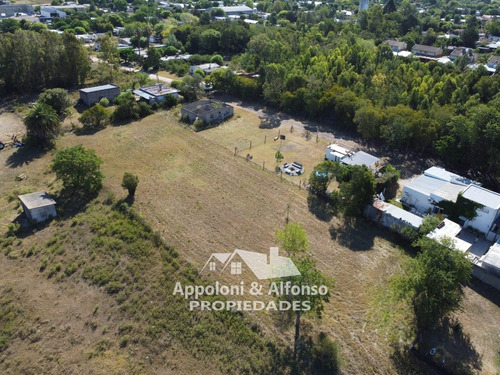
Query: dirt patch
[{"x": 10, "y": 125}]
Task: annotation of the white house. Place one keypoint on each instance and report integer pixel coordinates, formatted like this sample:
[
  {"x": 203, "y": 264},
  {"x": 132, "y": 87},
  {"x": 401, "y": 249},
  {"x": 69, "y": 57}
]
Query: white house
[
  {"x": 361, "y": 158},
  {"x": 487, "y": 220},
  {"x": 156, "y": 93},
  {"x": 437, "y": 184},
  {"x": 38, "y": 206},
  {"x": 335, "y": 152},
  {"x": 491, "y": 260}
]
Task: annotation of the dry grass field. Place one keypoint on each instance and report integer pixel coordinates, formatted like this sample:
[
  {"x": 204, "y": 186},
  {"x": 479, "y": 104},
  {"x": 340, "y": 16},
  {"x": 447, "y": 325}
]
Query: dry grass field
[{"x": 203, "y": 200}]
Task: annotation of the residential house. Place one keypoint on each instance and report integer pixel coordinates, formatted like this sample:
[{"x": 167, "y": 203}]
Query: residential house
[
  {"x": 156, "y": 93},
  {"x": 60, "y": 11},
  {"x": 391, "y": 216},
  {"x": 448, "y": 230},
  {"x": 493, "y": 62},
  {"x": 361, "y": 158},
  {"x": 427, "y": 51},
  {"x": 463, "y": 52},
  {"x": 238, "y": 10},
  {"x": 335, "y": 152},
  {"x": 487, "y": 220},
  {"x": 242, "y": 262},
  {"x": 11, "y": 10},
  {"x": 396, "y": 46},
  {"x": 38, "y": 206},
  {"x": 206, "y": 68},
  {"x": 210, "y": 111},
  {"x": 424, "y": 193},
  {"x": 92, "y": 95}
]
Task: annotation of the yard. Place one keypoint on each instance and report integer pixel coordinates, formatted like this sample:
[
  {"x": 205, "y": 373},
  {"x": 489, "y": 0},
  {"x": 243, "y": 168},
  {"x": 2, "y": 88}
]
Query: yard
[{"x": 203, "y": 200}]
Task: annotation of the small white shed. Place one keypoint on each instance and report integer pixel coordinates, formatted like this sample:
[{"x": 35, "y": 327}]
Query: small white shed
[{"x": 38, "y": 206}]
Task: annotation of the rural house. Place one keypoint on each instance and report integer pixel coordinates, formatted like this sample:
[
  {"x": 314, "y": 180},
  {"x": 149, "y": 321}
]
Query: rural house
[
  {"x": 10, "y": 10},
  {"x": 210, "y": 111},
  {"x": 237, "y": 10},
  {"x": 240, "y": 262},
  {"x": 424, "y": 193},
  {"x": 92, "y": 95},
  {"x": 427, "y": 51},
  {"x": 335, "y": 152},
  {"x": 361, "y": 158},
  {"x": 206, "y": 68},
  {"x": 38, "y": 206},
  {"x": 391, "y": 216},
  {"x": 156, "y": 93},
  {"x": 396, "y": 46},
  {"x": 493, "y": 62}
]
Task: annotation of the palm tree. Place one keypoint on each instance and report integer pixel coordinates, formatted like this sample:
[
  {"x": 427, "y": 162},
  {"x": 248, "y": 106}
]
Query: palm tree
[{"x": 42, "y": 124}]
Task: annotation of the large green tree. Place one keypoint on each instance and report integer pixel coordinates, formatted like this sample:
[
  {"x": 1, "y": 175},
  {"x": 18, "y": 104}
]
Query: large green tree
[
  {"x": 42, "y": 124},
  {"x": 57, "y": 98},
  {"x": 356, "y": 189},
  {"x": 435, "y": 281},
  {"x": 79, "y": 169}
]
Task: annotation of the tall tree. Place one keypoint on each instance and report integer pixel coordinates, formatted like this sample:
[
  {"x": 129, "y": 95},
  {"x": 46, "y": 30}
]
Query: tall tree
[
  {"x": 435, "y": 281},
  {"x": 42, "y": 124},
  {"x": 79, "y": 169},
  {"x": 294, "y": 240}
]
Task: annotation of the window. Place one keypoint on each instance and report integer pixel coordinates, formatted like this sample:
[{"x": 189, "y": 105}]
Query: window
[
  {"x": 235, "y": 268},
  {"x": 212, "y": 266}
]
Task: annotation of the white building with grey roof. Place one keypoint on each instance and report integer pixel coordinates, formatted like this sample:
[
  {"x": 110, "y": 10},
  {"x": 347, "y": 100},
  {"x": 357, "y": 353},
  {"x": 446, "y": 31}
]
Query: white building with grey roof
[{"x": 38, "y": 206}]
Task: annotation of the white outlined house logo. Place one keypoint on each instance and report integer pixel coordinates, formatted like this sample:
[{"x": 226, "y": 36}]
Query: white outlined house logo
[{"x": 240, "y": 262}]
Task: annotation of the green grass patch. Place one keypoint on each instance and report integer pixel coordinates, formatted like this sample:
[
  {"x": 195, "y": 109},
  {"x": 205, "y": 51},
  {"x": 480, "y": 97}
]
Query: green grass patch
[{"x": 9, "y": 317}]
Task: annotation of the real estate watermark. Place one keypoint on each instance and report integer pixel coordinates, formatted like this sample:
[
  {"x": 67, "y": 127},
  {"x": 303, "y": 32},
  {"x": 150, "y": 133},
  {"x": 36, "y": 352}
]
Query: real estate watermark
[{"x": 279, "y": 295}]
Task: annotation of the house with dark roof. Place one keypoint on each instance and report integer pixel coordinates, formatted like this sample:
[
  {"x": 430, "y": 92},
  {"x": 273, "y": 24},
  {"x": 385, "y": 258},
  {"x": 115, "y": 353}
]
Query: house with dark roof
[
  {"x": 493, "y": 62},
  {"x": 92, "y": 95},
  {"x": 210, "y": 111},
  {"x": 463, "y": 52},
  {"x": 427, "y": 51},
  {"x": 396, "y": 46},
  {"x": 361, "y": 158},
  {"x": 10, "y": 10}
]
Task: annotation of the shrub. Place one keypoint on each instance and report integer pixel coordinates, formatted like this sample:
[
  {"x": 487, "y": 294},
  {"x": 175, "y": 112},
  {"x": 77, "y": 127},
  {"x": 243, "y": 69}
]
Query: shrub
[
  {"x": 79, "y": 169},
  {"x": 96, "y": 117},
  {"x": 57, "y": 99},
  {"x": 169, "y": 102},
  {"x": 104, "y": 102},
  {"x": 130, "y": 183},
  {"x": 144, "y": 109},
  {"x": 199, "y": 125}
]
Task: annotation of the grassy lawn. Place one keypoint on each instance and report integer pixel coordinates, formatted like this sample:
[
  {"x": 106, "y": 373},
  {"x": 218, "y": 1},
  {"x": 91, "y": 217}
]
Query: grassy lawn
[
  {"x": 166, "y": 74},
  {"x": 244, "y": 129},
  {"x": 202, "y": 199}
]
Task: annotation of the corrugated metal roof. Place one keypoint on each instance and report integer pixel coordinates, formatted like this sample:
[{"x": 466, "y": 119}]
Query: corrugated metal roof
[
  {"x": 99, "y": 88},
  {"x": 483, "y": 196},
  {"x": 398, "y": 213},
  {"x": 360, "y": 158}
]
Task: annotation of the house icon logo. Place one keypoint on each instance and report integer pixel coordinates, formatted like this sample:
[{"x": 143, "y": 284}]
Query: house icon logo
[{"x": 240, "y": 262}]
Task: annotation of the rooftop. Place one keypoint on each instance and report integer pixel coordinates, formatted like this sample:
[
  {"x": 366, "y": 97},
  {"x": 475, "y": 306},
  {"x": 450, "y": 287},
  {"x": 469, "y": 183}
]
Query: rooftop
[
  {"x": 449, "y": 229},
  {"x": 36, "y": 200},
  {"x": 157, "y": 90},
  {"x": 429, "y": 185},
  {"x": 204, "y": 105},
  {"x": 423, "y": 47},
  {"x": 360, "y": 158},
  {"x": 492, "y": 257},
  {"x": 483, "y": 196},
  {"x": 99, "y": 88},
  {"x": 237, "y": 8},
  {"x": 444, "y": 175},
  {"x": 412, "y": 219}
]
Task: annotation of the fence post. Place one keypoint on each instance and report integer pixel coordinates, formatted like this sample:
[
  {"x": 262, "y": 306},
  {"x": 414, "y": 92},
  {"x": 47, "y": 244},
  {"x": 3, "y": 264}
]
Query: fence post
[
  {"x": 235, "y": 150},
  {"x": 265, "y": 138},
  {"x": 250, "y": 145},
  {"x": 263, "y": 165}
]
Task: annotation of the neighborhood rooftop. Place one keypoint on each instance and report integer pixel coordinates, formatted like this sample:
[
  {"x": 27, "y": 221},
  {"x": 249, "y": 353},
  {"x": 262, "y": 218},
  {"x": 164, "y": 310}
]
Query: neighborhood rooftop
[
  {"x": 444, "y": 175},
  {"x": 396, "y": 212},
  {"x": 99, "y": 88},
  {"x": 36, "y": 200},
  {"x": 440, "y": 188},
  {"x": 483, "y": 196},
  {"x": 360, "y": 158},
  {"x": 449, "y": 230}
]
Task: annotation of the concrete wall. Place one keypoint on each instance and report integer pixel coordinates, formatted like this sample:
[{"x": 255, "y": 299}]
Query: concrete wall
[
  {"x": 40, "y": 214},
  {"x": 92, "y": 98}
]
